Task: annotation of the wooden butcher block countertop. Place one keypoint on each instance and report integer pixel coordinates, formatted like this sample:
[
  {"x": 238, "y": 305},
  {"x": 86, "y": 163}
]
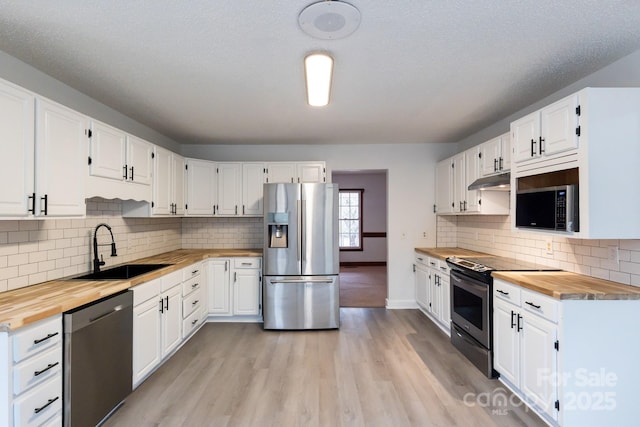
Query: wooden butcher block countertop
[
  {"x": 23, "y": 306},
  {"x": 564, "y": 285},
  {"x": 444, "y": 253}
]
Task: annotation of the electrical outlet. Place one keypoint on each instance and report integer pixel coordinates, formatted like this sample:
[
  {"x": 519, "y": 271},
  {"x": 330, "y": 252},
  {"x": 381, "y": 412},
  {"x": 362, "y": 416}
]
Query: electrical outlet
[
  {"x": 424, "y": 234},
  {"x": 549, "y": 246},
  {"x": 614, "y": 254}
]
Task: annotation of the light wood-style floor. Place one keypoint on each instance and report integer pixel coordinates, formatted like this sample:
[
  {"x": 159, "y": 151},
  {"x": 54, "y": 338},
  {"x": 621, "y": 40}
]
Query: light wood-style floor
[{"x": 382, "y": 368}]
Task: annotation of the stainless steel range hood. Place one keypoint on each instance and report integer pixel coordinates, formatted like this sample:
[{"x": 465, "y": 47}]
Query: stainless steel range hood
[{"x": 494, "y": 182}]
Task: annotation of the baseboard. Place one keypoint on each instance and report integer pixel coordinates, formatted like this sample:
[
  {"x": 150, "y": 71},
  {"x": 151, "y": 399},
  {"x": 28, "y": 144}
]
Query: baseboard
[
  {"x": 400, "y": 304},
  {"x": 362, "y": 263}
]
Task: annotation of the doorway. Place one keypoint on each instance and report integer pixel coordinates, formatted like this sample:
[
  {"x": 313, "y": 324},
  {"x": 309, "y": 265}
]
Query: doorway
[{"x": 363, "y": 237}]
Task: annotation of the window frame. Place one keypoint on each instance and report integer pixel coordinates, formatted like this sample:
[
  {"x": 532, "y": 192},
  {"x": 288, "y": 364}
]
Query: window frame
[{"x": 360, "y": 246}]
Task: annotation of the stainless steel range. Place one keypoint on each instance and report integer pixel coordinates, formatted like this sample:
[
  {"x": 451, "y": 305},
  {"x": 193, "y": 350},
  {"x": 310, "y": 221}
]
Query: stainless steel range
[{"x": 472, "y": 306}]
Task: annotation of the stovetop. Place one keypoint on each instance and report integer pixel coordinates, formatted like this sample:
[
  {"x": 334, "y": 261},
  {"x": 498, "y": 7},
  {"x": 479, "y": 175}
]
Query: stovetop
[{"x": 483, "y": 266}]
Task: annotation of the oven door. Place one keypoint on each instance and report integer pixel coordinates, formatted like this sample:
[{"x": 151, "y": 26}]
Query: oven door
[{"x": 470, "y": 307}]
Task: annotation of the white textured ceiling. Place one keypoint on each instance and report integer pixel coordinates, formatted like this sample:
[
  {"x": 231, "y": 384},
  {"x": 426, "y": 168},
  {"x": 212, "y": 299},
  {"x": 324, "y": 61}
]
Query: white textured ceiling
[{"x": 206, "y": 71}]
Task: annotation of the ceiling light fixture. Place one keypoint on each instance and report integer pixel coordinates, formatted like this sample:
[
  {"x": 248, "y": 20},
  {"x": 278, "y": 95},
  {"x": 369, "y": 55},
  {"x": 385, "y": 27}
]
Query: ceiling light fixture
[{"x": 318, "y": 69}]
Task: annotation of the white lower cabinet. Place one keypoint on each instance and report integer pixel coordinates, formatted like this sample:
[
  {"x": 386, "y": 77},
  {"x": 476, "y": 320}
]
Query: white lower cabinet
[
  {"x": 524, "y": 352},
  {"x": 193, "y": 299},
  {"x": 432, "y": 289},
  {"x": 31, "y": 374},
  {"x": 234, "y": 287},
  {"x": 146, "y": 332},
  {"x": 574, "y": 361}
]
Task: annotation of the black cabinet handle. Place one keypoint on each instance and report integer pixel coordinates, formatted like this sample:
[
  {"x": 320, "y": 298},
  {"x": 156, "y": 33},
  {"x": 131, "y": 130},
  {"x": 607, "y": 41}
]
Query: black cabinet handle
[
  {"x": 124, "y": 173},
  {"x": 194, "y": 272},
  {"x": 195, "y": 285},
  {"x": 532, "y": 304},
  {"x": 533, "y": 153},
  {"x": 49, "y": 366},
  {"x": 38, "y": 341},
  {"x": 161, "y": 305},
  {"x": 131, "y": 173},
  {"x": 167, "y": 299},
  {"x": 236, "y": 210},
  {"x": 513, "y": 323},
  {"x": 465, "y": 205},
  {"x": 495, "y": 165},
  {"x": 46, "y": 205},
  {"x": 540, "y": 146},
  {"x": 195, "y": 302},
  {"x": 193, "y": 322},
  {"x": 242, "y": 209},
  {"x": 502, "y": 292},
  {"x": 49, "y": 402},
  {"x": 500, "y": 166},
  {"x": 519, "y": 325},
  {"x": 32, "y": 197}
]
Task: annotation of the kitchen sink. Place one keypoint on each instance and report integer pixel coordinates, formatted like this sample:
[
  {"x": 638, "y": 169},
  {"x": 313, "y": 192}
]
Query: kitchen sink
[{"x": 121, "y": 272}]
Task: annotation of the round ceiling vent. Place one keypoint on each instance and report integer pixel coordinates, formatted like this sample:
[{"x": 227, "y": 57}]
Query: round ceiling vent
[{"x": 329, "y": 20}]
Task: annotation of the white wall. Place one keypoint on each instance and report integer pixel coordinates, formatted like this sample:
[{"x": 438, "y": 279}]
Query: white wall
[
  {"x": 374, "y": 213},
  {"x": 410, "y": 191}
]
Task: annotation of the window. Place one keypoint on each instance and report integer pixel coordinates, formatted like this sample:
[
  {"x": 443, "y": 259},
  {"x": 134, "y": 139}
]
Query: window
[{"x": 350, "y": 219}]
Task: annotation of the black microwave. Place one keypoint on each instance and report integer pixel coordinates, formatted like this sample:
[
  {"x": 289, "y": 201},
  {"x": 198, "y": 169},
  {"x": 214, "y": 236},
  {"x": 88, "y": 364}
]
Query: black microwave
[{"x": 549, "y": 208}]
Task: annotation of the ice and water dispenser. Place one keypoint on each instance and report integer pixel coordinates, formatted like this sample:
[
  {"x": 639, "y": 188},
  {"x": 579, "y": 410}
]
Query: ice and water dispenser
[{"x": 278, "y": 223}]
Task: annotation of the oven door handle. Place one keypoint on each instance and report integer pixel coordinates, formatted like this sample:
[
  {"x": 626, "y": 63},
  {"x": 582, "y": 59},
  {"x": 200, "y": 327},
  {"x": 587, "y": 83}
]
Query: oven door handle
[{"x": 467, "y": 283}]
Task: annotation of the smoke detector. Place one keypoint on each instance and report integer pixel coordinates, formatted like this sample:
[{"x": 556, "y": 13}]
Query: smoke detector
[{"x": 329, "y": 20}]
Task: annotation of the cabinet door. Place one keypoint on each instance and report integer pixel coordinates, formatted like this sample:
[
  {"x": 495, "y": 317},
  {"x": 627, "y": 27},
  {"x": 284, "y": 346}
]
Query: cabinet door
[
  {"x": 471, "y": 173},
  {"x": 558, "y": 124},
  {"x": 108, "y": 156},
  {"x": 229, "y": 188},
  {"x": 162, "y": 185},
  {"x": 506, "y": 350},
  {"x": 61, "y": 160},
  {"x": 436, "y": 294},
  {"x": 146, "y": 338},
  {"x": 489, "y": 156},
  {"x": 246, "y": 292},
  {"x": 252, "y": 184},
  {"x": 539, "y": 362},
  {"x": 444, "y": 187},
  {"x": 459, "y": 187},
  {"x": 310, "y": 172},
  {"x": 17, "y": 109},
  {"x": 178, "y": 173},
  {"x": 422, "y": 287},
  {"x": 525, "y": 134},
  {"x": 171, "y": 320},
  {"x": 201, "y": 190},
  {"x": 504, "y": 161},
  {"x": 219, "y": 288},
  {"x": 445, "y": 290},
  {"x": 281, "y": 172},
  {"x": 139, "y": 160}
]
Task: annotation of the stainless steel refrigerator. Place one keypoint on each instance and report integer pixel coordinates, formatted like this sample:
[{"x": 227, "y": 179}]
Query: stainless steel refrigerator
[{"x": 300, "y": 258}]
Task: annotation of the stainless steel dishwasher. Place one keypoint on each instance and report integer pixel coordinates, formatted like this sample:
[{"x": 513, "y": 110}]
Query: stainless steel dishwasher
[{"x": 97, "y": 359}]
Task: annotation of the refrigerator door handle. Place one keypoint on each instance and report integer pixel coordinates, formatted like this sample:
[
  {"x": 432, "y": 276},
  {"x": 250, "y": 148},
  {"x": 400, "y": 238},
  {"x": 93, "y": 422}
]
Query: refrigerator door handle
[
  {"x": 301, "y": 281},
  {"x": 303, "y": 236},
  {"x": 299, "y": 215}
]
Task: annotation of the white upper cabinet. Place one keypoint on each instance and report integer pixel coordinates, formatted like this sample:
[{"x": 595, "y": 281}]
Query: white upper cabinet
[
  {"x": 178, "y": 176},
  {"x": 229, "y": 180},
  {"x": 495, "y": 155},
  {"x": 201, "y": 187},
  {"x": 471, "y": 173},
  {"x": 296, "y": 172},
  {"x": 444, "y": 187},
  {"x": 61, "y": 156},
  {"x": 547, "y": 132},
  {"x": 117, "y": 159},
  {"x": 17, "y": 109},
  {"x": 252, "y": 188}
]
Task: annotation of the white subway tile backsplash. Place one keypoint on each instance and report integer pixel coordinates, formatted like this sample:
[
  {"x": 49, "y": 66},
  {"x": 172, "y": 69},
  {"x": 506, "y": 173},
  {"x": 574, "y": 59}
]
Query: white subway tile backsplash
[{"x": 493, "y": 235}]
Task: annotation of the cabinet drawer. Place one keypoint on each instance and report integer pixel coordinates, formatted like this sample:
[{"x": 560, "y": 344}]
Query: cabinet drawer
[
  {"x": 37, "y": 370},
  {"x": 146, "y": 291},
  {"x": 56, "y": 421},
  {"x": 541, "y": 305},
  {"x": 246, "y": 262},
  {"x": 192, "y": 285},
  {"x": 443, "y": 268},
  {"x": 35, "y": 338},
  {"x": 171, "y": 279},
  {"x": 191, "y": 303},
  {"x": 191, "y": 271},
  {"x": 191, "y": 322},
  {"x": 39, "y": 404},
  {"x": 506, "y": 291},
  {"x": 421, "y": 259}
]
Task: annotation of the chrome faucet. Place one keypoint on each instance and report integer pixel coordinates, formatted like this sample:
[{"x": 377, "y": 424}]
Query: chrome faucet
[{"x": 100, "y": 262}]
